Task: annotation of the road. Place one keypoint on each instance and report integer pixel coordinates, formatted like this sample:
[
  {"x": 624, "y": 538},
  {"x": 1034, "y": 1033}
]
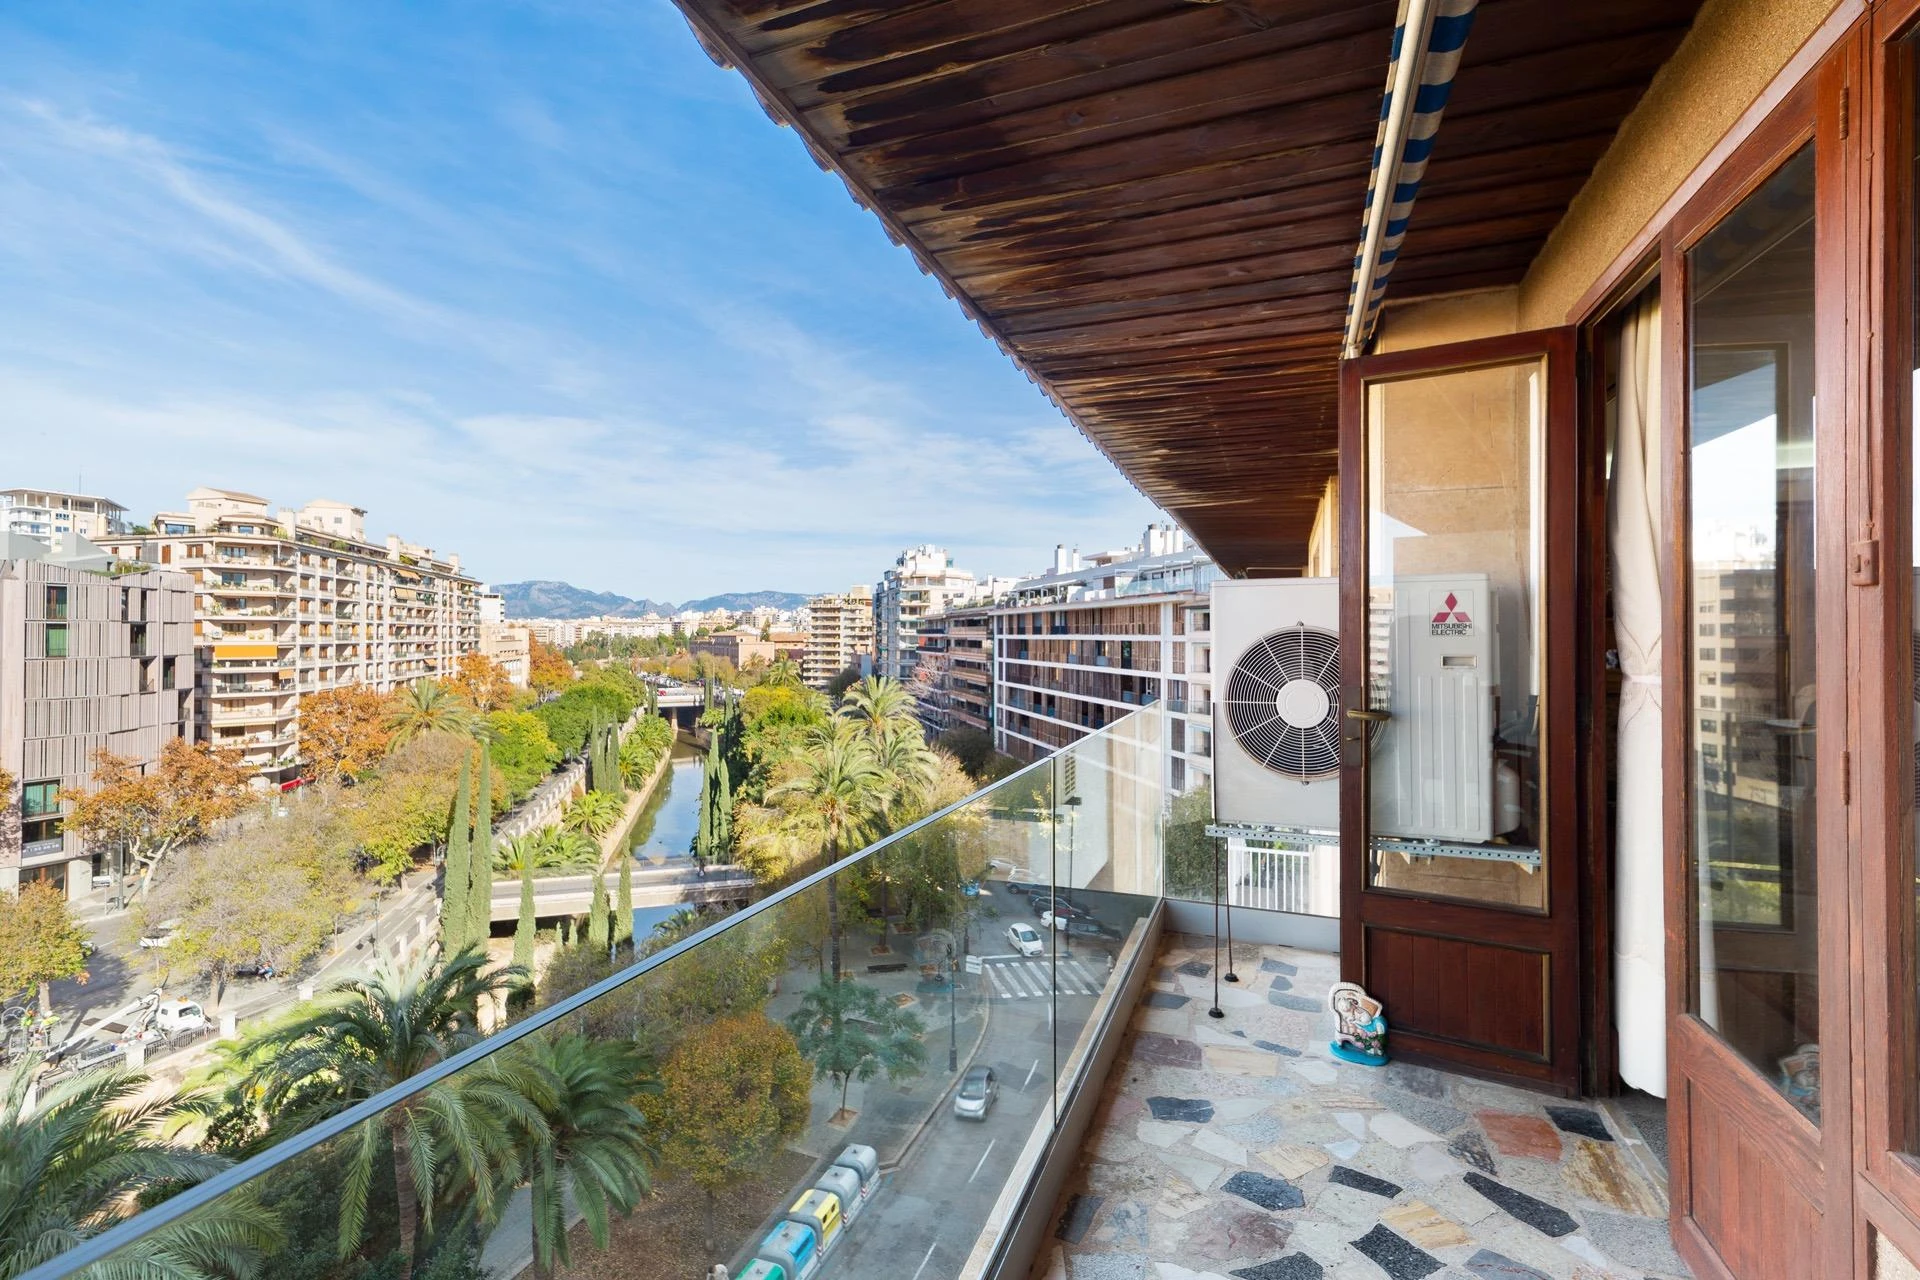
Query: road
[
  {"x": 928, "y": 1213},
  {"x": 120, "y": 971}
]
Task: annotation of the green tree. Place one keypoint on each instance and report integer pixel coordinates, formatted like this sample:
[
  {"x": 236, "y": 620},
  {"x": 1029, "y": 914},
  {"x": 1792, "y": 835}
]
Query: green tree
[
  {"x": 403, "y": 808},
  {"x": 837, "y": 791},
  {"x": 600, "y": 918},
  {"x": 40, "y": 943},
  {"x": 91, "y": 1154},
  {"x": 519, "y": 747},
  {"x": 594, "y": 813},
  {"x": 427, "y": 706},
  {"x": 623, "y": 904},
  {"x": 593, "y": 1143},
  {"x": 525, "y": 930},
  {"x": 1190, "y": 855},
  {"x": 480, "y": 862},
  {"x": 852, "y": 1032},
  {"x": 459, "y": 1138},
  {"x": 731, "y": 1094},
  {"x": 878, "y": 704},
  {"x": 457, "y": 871}
]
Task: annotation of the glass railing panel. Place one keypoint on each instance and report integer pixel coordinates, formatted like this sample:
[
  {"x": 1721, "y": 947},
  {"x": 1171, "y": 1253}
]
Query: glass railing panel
[{"x": 794, "y": 1082}]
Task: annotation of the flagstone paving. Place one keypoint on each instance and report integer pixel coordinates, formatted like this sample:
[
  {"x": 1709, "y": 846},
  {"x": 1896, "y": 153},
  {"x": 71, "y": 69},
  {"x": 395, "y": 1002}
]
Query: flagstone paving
[{"x": 1240, "y": 1147}]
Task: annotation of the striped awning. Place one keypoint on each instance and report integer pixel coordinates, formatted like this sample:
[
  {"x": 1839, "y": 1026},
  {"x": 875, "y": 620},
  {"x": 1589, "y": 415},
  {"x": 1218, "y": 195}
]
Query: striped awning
[{"x": 1446, "y": 24}]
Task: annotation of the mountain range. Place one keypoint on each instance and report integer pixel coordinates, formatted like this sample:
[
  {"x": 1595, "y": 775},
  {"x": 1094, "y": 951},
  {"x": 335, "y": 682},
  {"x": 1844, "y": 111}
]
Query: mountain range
[{"x": 547, "y": 599}]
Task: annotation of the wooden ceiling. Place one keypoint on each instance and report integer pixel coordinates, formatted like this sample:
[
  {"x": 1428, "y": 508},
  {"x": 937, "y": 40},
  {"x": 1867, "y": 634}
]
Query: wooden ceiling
[{"x": 1153, "y": 205}]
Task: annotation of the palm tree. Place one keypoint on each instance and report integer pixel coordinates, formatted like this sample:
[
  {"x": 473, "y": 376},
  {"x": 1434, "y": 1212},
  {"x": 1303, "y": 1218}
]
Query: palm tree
[
  {"x": 83, "y": 1160},
  {"x": 427, "y": 706},
  {"x": 595, "y": 813},
  {"x": 367, "y": 1034},
  {"x": 878, "y": 704},
  {"x": 593, "y": 1140},
  {"x": 838, "y": 790},
  {"x": 853, "y": 1032},
  {"x": 548, "y": 849}
]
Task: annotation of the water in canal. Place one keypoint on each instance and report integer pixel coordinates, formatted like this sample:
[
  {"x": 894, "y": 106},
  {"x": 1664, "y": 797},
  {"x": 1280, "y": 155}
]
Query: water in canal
[{"x": 663, "y": 833}]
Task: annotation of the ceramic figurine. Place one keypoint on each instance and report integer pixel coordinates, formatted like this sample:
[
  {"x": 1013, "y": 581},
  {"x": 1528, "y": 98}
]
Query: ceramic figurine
[
  {"x": 1360, "y": 1026},
  {"x": 1800, "y": 1078}
]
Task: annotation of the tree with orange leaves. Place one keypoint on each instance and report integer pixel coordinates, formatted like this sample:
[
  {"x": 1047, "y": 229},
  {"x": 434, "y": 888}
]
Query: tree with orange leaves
[
  {"x": 343, "y": 731},
  {"x": 483, "y": 683},
  {"x": 548, "y": 670},
  {"x": 176, "y": 802}
]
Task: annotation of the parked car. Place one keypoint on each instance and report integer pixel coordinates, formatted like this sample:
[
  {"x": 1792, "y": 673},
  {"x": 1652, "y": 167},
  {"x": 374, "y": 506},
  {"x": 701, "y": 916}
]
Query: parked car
[
  {"x": 1054, "y": 904},
  {"x": 1025, "y": 886},
  {"x": 974, "y": 1098},
  {"x": 1076, "y": 927},
  {"x": 1026, "y": 939},
  {"x": 161, "y": 935}
]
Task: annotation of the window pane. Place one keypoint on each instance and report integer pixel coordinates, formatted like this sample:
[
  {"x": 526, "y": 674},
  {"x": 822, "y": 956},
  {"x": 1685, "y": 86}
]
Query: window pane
[
  {"x": 56, "y": 640},
  {"x": 56, "y": 603},
  {"x": 1752, "y": 695},
  {"x": 1454, "y": 564}
]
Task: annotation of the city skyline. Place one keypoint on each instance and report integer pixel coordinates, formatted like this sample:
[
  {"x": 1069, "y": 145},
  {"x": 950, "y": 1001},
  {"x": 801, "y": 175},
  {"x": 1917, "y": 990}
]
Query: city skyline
[{"x": 510, "y": 305}]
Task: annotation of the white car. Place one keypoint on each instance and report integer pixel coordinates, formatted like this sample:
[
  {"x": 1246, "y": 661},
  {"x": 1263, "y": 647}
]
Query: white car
[{"x": 1026, "y": 939}]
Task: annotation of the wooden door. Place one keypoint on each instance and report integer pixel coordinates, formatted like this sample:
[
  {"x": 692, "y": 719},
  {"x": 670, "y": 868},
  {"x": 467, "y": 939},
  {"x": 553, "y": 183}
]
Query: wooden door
[
  {"x": 1457, "y": 657},
  {"x": 1757, "y": 423}
]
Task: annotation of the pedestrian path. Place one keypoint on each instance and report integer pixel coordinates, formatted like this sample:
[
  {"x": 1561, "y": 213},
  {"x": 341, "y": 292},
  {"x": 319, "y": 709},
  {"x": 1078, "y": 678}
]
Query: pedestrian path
[{"x": 1031, "y": 977}]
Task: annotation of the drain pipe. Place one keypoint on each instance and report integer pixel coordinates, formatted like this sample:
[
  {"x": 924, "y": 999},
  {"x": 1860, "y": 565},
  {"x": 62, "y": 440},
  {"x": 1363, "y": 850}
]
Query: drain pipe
[{"x": 1415, "y": 34}]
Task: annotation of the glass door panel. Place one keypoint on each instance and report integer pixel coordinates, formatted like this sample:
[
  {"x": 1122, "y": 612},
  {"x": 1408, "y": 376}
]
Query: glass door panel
[
  {"x": 1752, "y": 718},
  {"x": 1454, "y": 570}
]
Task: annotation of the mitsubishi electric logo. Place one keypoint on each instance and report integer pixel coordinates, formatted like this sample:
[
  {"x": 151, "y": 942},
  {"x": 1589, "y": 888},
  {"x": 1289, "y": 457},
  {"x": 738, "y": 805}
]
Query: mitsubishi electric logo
[{"x": 1451, "y": 617}]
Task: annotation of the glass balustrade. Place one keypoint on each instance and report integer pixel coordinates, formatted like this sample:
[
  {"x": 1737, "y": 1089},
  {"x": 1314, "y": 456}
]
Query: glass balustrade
[{"x": 864, "y": 1067}]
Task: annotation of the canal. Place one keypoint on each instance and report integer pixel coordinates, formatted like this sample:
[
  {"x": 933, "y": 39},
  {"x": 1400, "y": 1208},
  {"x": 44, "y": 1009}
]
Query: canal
[{"x": 663, "y": 833}]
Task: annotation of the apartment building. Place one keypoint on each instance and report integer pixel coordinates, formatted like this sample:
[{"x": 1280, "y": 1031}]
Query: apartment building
[
  {"x": 839, "y": 633},
  {"x": 745, "y": 645},
  {"x": 46, "y": 513},
  {"x": 923, "y": 580},
  {"x": 953, "y": 677},
  {"x": 292, "y": 602},
  {"x": 1097, "y": 636},
  {"x": 88, "y": 660}
]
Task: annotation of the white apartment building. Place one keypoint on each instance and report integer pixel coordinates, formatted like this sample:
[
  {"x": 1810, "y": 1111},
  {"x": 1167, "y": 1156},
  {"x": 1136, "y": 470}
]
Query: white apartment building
[
  {"x": 292, "y": 602},
  {"x": 839, "y": 633},
  {"x": 923, "y": 580},
  {"x": 1098, "y": 636},
  {"x": 87, "y": 660},
  {"x": 47, "y": 513}
]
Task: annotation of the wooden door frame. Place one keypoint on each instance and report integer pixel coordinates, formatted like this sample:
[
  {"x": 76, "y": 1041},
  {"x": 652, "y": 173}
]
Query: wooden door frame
[
  {"x": 1817, "y": 1161},
  {"x": 1887, "y": 1174},
  {"x": 1557, "y": 930}
]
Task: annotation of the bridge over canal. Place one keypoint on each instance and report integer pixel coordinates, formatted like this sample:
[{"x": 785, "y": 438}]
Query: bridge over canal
[{"x": 556, "y": 896}]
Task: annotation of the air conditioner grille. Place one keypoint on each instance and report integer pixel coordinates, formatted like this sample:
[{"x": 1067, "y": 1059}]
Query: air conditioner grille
[{"x": 1283, "y": 702}]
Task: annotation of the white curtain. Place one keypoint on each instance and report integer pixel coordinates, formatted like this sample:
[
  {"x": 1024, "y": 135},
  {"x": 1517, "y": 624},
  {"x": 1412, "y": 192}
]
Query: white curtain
[{"x": 1634, "y": 500}]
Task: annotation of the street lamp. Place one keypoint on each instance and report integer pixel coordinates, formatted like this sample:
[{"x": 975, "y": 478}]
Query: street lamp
[
  {"x": 1072, "y": 805},
  {"x": 953, "y": 1016}
]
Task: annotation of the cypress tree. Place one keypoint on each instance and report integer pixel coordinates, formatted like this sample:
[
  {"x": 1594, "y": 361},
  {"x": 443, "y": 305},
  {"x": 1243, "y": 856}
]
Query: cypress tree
[
  {"x": 623, "y": 903},
  {"x": 480, "y": 880},
  {"x": 600, "y": 919},
  {"x": 723, "y": 814},
  {"x": 523, "y": 932},
  {"x": 457, "y": 872}
]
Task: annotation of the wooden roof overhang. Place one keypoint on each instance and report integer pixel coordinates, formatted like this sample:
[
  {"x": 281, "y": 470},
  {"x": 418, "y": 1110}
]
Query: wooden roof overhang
[{"x": 1153, "y": 206}]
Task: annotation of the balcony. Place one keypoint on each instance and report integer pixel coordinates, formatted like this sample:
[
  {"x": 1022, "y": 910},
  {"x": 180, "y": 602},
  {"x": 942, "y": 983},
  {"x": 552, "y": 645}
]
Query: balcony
[{"x": 1127, "y": 1125}]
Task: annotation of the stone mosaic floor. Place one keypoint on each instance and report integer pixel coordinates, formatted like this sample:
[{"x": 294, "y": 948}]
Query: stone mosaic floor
[{"x": 1241, "y": 1147}]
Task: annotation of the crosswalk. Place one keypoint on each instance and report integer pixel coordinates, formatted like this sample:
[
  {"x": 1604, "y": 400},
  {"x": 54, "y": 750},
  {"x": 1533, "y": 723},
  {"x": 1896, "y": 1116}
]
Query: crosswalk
[{"x": 1030, "y": 978}]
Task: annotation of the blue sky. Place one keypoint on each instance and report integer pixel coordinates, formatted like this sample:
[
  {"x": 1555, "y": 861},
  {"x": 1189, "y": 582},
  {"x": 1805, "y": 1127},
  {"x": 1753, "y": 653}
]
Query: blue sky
[{"x": 532, "y": 282}]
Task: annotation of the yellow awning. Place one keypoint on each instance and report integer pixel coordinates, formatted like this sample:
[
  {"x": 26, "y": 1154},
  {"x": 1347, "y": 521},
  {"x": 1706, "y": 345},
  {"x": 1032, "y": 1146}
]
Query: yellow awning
[{"x": 226, "y": 651}]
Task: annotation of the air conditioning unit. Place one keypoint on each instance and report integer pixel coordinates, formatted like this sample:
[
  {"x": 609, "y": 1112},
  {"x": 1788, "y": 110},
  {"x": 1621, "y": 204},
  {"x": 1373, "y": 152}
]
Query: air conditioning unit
[
  {"x": 1433, "y": 655},
  {"x": 1276, "y": 702},
  {"x": 1279, "y": 722}
]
